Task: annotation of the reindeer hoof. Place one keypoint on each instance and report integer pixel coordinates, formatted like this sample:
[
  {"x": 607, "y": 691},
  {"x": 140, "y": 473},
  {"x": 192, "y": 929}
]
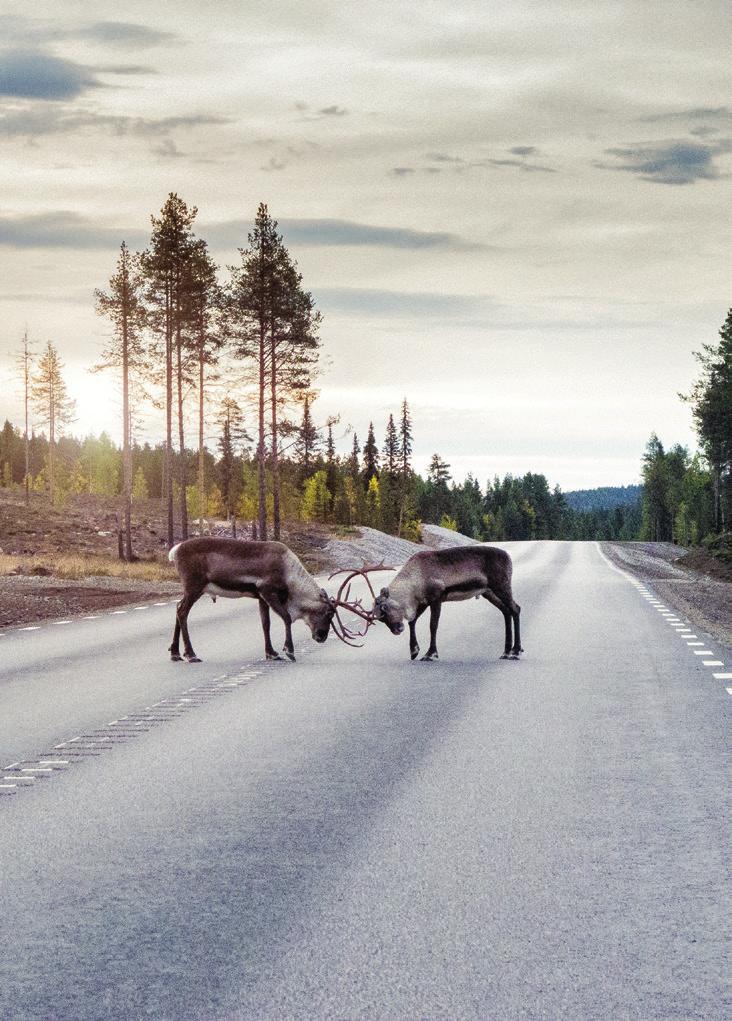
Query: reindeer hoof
[
  {"x": 290, "y": 656},
  {"x": 505, "y": 655},
  {"x": 194, "y": 659},
  {"x": 273, "y": 656},
  {"x": 430, "y": 657},
  {"x": 414, "y": 653},
  {"x": 175, "y": 657}
]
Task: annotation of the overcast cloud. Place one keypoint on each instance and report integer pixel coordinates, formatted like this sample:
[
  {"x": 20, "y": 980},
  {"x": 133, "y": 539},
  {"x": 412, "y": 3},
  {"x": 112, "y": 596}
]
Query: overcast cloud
[{"x": 514, "y": 214}]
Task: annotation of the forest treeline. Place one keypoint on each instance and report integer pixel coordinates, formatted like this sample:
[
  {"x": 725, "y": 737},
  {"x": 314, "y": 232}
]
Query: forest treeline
[
  {"x": 375, "y": 484},
  {"x": 237, "y": 354},
  {"x": 688, "y": 499}
]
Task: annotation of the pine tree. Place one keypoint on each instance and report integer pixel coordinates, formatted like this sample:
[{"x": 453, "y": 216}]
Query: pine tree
[
  {"x": 230, "y": 419},
  {"x": 406, "y": 506},
  {"x": 207, "y": 338},
  {"x": 51, "y": 400},
  {"x": 276, "y": 326},
  {"x": 392, "y": 455},
  {"x": 165, "y": 266},
  {"x": 370, "y": 457},
  {"x": 308, "y": 440},
  {"x": 405, "y": 440},
  {"x": 122, "y": 305},
  {"x": 711, "y": 402},
  {"x": 354, "y": 459},
  {"x": 656, "y": 517}
]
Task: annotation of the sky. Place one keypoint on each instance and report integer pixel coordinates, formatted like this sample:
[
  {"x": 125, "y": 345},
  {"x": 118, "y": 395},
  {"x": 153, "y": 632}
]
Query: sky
[{"x": 515, "y": 214}]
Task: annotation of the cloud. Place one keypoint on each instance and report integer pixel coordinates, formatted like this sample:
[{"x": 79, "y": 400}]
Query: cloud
[
  {"x": 126, "y": 34},
  {"x": 521, "y": 164},
  {"x": 32, "y": 74},
  {"x": 444, "y": 157},
  {"x": 668, "y": 162},
  {"x": 121, "y": 34},
  {"x": 64, "y": 229},
  {"x": 524, "y": 150},
  {"x": 407, "y": 304},
  {"x": 333, "y": 111},
  {"x": 402, "y": 171},
  {"x": 721, "y": 114},
  {"x": 337, "y": 233},
  {"x": 42, "y": 120}
]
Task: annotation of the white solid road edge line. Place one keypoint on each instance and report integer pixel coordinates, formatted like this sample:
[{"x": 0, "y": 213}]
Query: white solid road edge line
[{"x": 722, "y": 677}]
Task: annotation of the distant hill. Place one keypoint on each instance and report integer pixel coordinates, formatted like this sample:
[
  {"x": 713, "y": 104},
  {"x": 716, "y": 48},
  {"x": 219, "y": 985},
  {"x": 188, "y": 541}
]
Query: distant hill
[{"x": 604, "y": 498}]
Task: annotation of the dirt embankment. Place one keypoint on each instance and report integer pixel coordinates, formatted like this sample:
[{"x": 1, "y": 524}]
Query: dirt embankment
[
  {"x": 59, "y": 562},
  {"x": 693, "y": 583}
]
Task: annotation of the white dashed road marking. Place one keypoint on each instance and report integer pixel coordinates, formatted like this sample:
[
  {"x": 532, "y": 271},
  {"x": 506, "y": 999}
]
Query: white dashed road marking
[
  {"x": 722, "y": 677},
  {"x": 712, "y": 662}
]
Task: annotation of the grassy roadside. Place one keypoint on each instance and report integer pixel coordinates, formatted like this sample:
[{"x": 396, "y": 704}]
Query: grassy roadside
[{"x": 77, "y": 566}]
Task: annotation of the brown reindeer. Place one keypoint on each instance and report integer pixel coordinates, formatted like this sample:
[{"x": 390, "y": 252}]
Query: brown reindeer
[
  {"x": 266, "y": 571},
  {"x": 433, "y": 577}
]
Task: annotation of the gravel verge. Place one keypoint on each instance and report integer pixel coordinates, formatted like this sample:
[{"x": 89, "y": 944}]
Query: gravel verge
[
  {"x": 26, "y": 600},
  {"x": 706, "y": 601}
]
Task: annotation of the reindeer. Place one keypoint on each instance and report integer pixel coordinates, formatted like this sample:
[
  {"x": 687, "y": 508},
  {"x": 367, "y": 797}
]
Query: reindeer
[
  {"x": 433, "y": 577},
  {"x": 266, "y": 571}
]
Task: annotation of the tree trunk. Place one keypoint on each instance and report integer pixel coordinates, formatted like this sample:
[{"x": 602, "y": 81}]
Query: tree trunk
[
  {"x": 201, "y": 466},
  {"x": 51, "y": 440},
  {"x": 27, "y": 439},
  {"x": 126, "y": 451},
  {"x": 275, "y": 451},
  {"x": 182, "y": 473},
  {"x": 261, "y": 449},
  {"x": 169, "y": 415}
]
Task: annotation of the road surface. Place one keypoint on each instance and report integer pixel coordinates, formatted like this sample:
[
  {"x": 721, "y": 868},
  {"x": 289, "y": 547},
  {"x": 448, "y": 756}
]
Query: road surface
[{"x": 356, "y": 836}]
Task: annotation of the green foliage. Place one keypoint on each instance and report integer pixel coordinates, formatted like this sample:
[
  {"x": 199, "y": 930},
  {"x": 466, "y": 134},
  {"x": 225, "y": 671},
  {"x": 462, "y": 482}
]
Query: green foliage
[
  {"x": 316, "y": 498},
  {"x": 412, "y": 530},
  {"x": 447, "y": 522},
  {"x": 140, "y": 489},
  {"x": 373, "y": 503}
]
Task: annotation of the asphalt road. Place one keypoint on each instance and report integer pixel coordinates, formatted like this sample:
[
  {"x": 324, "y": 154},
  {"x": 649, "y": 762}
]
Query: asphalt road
[{"x": 356, "y": 836}]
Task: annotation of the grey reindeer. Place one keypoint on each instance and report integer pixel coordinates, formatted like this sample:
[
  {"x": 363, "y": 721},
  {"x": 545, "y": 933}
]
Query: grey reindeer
[{"x": 433, "y": 577}]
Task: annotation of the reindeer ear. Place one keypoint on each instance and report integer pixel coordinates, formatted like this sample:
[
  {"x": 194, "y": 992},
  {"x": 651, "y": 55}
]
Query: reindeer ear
[
  {"x": 324, "y": 595},
  {"x": 385, "y": 593}
]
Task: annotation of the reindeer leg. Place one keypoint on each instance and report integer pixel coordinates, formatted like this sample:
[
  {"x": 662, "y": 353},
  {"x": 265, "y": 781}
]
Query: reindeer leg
[
  {"x": 269, "y": 651},
  {"x": 413, "y": 643},
  {"x": 182, "y": 611},
  {"x": 174, "y": 647},
  {"x": 435, "y": 610},
  {"x": 507, "y": 617},
  {"x": 515, "y": 612},
  {"x": 274, "y": 601}
]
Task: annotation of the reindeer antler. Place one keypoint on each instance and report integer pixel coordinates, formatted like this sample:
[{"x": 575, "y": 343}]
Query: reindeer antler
[{"x": 342, "y": 631}]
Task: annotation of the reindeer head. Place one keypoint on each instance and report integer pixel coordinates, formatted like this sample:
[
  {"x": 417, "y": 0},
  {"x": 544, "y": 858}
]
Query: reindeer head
[
  {"x": 319, "y": 616},
  {"x": 389, "y": 612}
]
